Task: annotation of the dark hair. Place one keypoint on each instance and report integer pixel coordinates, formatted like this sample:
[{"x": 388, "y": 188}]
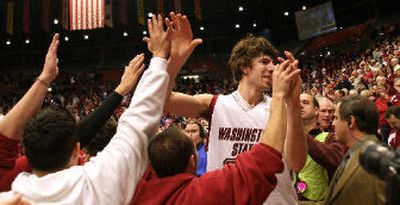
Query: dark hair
[
  {"x": 50, "y": 138},
  {"x": 102, "y": 138},
  {"x": 201, "y": 127},
  {"x": 393, "y": 110},
  {"x": 363, "y": 110},
  {"x": 246, "y": 50},
  {"x": 314, "y": 99},
  {"x": 170, "y": 152}
]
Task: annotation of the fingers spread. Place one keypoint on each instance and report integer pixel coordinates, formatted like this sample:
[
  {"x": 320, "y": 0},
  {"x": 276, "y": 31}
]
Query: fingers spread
[{"x": 150, "y": 26}]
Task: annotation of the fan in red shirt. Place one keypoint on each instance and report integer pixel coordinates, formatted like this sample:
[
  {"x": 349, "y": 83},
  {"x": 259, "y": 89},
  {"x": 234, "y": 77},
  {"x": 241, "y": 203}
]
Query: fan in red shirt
[{"x": 393, "y": 118}]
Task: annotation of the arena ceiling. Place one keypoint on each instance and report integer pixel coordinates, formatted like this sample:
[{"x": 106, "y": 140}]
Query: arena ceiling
[{"x": 218, "y": 27}]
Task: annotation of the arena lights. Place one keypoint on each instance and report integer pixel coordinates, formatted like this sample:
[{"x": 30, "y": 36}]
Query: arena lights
[
  {"x": 304, "y": 7},
  {"x": 286, "y": 13},
  {"x": 125, "y": 33},
  {"x": 254, "y": 25},
  {"x": 150, "y": 14},
  {"x": 66, "y": 38},
  {"x": 144, "y": 32},
  {"x": 8, "y": 42},
  {"x": 237, "y": 26},
  {"x": 55, "y": 21},
  {"x": 201, "y": 28},
  {"x": 86, "y": 37},
  {"x": 27, "y": 41},
  {"x": 241, "y": 8}
]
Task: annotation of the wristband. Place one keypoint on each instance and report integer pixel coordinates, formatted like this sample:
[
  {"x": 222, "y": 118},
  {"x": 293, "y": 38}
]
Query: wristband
[{"x": 44, "y": 83}]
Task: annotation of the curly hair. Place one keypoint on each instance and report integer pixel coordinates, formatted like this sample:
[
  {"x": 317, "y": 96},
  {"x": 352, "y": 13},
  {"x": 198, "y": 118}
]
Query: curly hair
[{"x": 246, "y": 50}]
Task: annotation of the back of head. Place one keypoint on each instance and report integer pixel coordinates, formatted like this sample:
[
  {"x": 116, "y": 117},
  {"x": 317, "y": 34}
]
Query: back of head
[
  {"x": 170, "y": 152},
  {"x": 363, "y": 110},
  {"x": 50, "y": 138},
  {"x": 246, "y": 50}
]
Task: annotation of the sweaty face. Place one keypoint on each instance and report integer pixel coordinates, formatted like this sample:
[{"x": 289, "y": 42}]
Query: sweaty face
[
  {"x": 308, "y": 109},
  {"x": 260, "y": 72},
  {"x": 193, "y": 130},
  {"x": 325, "y": 116}
]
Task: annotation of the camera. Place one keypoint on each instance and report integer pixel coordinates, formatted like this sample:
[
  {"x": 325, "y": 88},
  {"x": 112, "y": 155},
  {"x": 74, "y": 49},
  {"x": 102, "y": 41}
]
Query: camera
[{"x": 383, "y": 162}]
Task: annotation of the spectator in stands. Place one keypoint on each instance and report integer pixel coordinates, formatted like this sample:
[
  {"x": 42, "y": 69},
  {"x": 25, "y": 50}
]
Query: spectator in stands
[
  {"x": 195, "y": 130},
  {"x": 120, "y": 165},
  {"x": 394, "y": 63},
  {"x": 249, "y": 181},
  {"x": 393, "y": 118},
  {"x": 325, "y": 113},
  {"x": 324, "y": 154},
  {"x": 355, "y": 123}
]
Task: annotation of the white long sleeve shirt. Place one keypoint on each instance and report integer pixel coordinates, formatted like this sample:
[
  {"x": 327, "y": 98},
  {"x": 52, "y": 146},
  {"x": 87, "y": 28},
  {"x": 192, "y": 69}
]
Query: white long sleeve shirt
[{"x": 110, "y": 177}]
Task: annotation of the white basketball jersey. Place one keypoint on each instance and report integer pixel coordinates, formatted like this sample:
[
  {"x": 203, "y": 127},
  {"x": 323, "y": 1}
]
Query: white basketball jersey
[{"x": 235, "y": 128}]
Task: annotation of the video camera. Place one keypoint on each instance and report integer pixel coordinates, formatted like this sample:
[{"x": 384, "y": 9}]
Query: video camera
[{"x": 383, "y": 162}]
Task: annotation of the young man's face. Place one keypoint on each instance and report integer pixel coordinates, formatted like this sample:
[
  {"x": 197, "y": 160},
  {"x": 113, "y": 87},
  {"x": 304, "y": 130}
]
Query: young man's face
[
  {"x": 308, "y": 109},
  {"x": 260, "y": 72},
  {"x": 193, "y": 130}
]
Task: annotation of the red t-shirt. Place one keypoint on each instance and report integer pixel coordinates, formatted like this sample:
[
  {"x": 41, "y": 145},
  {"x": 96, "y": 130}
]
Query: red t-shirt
[
  {"x": 11, "y": 164},
  {"x": 249, "y": 181}
]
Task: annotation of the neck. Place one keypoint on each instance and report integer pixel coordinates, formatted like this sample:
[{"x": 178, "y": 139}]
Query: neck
[
  {"x": 249, "y": 93},
  {"x": 355, "y": 137},
  {"x": 39, "y": 173},
  {"x": 310, "y": 124}
]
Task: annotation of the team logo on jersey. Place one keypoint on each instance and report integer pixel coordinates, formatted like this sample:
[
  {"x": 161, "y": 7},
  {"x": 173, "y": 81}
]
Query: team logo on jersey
[{"x": 244, "y": 138}]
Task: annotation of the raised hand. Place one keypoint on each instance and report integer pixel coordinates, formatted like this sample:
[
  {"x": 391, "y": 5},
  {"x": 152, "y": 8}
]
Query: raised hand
[
  {"x": 159, "y": 42},
  {"x": 131, "y": 75},
  {"x": 283, "y": 78},
  {"x": 50, "y": 67},
  {"x": 182, "y": 42},
  {"x": 296, "y": 83}
]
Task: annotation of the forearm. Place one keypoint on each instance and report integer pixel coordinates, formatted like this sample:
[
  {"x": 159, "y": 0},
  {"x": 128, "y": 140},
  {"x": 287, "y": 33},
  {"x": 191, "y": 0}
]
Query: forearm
[
  {"x": 13, "y": 124},
  {"x": 295, "y": 145},
  {"x": 328, "y": 155},
  {"x": 275, "y": 132},
  {"x": 171, "y": 84},
  {"x": 91, "y": 124}
]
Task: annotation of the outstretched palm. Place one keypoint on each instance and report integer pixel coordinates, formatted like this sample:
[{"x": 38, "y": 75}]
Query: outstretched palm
[{"x": 182, "y": 43}]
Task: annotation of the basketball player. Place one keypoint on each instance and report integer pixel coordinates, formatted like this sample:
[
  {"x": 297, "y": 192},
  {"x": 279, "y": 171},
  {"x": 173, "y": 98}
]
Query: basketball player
[{"x": 238, "y": 119}]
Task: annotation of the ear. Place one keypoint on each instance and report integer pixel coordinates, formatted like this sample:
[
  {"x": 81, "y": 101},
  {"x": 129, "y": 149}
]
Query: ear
[
  {"x": 316, "y": 111},
  {"x": 352, "y": 122},
  {"x": 244, "y": 69},
  {"x": 192, "y": 165}
]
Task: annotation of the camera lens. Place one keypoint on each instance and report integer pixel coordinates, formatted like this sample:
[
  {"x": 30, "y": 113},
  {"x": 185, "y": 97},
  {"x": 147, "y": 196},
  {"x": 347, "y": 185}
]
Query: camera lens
[{"x": 376, "y": 159}]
